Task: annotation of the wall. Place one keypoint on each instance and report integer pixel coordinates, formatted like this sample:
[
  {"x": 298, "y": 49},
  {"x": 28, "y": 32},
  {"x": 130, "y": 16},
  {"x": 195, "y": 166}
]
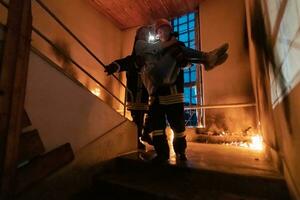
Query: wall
[
  {"x": 1, "y": 42},
  {"x": 64, "y": 111},
  {"x": 88, "y": 25},
  {"x": 3, "y": 14},
  {"x": 229, "y": 83},
  {"x": 128, "y": 36},
  {"x": 273, "y": 41}
]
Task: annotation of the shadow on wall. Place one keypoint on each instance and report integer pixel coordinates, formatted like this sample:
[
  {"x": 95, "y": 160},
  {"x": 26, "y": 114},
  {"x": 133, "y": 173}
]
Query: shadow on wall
[
  {"x": 62, "y": 52},
  {"x": 265, "y": 56}
]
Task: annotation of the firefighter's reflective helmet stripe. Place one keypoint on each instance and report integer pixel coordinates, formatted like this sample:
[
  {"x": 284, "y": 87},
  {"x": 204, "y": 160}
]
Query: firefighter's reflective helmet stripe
[
  {"x": 179, "y": 135},
  {"x": 171, "y": 99},
  {"x": 157, "y": 132}
]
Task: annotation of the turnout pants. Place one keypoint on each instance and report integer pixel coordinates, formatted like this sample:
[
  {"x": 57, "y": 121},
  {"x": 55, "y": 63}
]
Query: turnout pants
[
  {"x": 138, "y": 119},
  {"x": 174, "y": 113}
]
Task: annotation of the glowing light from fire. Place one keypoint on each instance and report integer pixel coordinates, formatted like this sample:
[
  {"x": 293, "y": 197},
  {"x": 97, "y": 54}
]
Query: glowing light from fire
[
  {"x": 96, "y": 91},
  {"x": 256, "y": 143},
  {"x": 201, "y": 126}
]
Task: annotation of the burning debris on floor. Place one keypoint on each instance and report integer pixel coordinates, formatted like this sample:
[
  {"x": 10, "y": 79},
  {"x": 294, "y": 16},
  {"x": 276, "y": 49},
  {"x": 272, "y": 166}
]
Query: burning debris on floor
[{"x": 248, "y": 138}]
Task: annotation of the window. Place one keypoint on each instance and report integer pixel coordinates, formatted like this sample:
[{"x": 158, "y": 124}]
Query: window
[
  {"x": 285, "y": 75},
  {"x": 185, "y": 26}
]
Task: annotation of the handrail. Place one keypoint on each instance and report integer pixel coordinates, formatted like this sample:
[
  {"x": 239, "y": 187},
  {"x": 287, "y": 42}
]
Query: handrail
[
  {"x": 78, "y": 40},
  {"x": 84, "y": 46},
  {"x": 75, "y": 63},
  {"x": 236, "y": 105}
]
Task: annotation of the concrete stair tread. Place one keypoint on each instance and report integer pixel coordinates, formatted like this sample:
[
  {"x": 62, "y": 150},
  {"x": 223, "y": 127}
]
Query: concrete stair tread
[
  {"x": 183, "y": 182},
  {"x": 196, "y": 165},
  {"x": 159, "y": 187},
  {"x": 191, "y": 180}
]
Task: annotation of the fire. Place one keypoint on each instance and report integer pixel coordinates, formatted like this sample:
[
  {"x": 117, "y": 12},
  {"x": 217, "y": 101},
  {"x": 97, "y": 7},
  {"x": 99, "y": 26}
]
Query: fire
[
  {"x": 96, "y": 91},
  {"x": 256, "y": 143}
]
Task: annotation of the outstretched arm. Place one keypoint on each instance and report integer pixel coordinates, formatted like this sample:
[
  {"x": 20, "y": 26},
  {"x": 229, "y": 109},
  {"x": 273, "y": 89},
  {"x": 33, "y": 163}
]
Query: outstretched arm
[{"x": 119, "y": 65}]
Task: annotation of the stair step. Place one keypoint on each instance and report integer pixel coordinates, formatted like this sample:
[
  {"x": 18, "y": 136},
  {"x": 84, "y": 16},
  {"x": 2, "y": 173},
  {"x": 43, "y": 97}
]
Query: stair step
[
  {"x": 30, "y": 146},
  {"x": 25, "y": 120},
  {"x": 113, "y": 187},
  {"x": 42, "y": 166},
  {"x": 130, "y": 174}
]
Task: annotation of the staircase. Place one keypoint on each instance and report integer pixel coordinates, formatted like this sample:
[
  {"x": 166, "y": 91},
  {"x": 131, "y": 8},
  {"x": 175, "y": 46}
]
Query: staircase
[
  {"x": 34, "y": 163},
  {"x": 218, "y": 177}
]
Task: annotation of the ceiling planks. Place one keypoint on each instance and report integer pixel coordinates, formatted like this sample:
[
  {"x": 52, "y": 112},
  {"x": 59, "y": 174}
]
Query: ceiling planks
[{"x": 131, "y": 13}]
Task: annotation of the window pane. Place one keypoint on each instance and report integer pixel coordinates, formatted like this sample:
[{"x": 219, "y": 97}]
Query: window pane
[
  {"x": 187, "y": 95},
  {"x": 175, "y": 22},
  {"x": 193, "y": 76},
  {"x": 192, "y": 25},
  {"x": 192, "y": 44},
  {"x": 175, "y": 28},
  {"x": 192, "y": 16},
  {"x": 193, "y": 67},
  {"x": 186, "y": 77},
  {"x": 182, "y": 28},
  {"x": 194, "y": 91},
  {"x": 194, "y": 100},
  {"x": 183, "y": 37},
  {"x": 183, "y": 19},
  {"x": 192, "y": 35},
  {"x": 194, "y": 95}
]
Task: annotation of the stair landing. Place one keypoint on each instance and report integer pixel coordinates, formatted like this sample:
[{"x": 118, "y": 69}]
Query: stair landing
[{"x": 211, "y": 172}]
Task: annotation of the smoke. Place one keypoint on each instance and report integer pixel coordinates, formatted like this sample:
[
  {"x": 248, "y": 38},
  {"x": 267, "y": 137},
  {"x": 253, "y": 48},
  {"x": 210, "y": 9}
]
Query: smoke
[{"x": 238, "y": 121}]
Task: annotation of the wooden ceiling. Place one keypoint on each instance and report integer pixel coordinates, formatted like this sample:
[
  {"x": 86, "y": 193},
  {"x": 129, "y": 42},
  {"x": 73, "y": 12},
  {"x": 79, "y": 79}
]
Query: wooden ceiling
[{"x": 131, "y": 13}]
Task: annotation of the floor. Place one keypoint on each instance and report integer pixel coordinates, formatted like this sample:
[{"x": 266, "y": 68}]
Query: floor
[{"x": 226, "y": 158}]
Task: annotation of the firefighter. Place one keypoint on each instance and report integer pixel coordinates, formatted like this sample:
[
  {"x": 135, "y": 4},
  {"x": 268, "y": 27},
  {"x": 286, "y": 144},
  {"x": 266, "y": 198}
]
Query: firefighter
[
  {"x": 167, "y": 98},
  {"x": 137, "y": 98}
]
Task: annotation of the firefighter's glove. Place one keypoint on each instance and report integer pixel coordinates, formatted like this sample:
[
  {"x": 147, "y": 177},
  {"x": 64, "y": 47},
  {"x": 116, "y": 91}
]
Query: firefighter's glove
[{"x": 111, "y": 68}]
